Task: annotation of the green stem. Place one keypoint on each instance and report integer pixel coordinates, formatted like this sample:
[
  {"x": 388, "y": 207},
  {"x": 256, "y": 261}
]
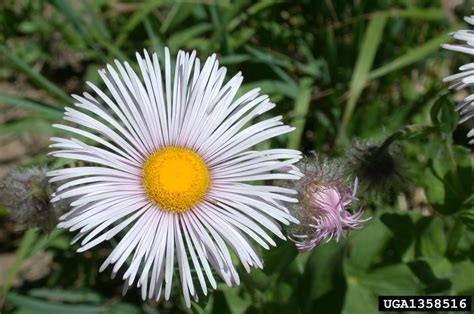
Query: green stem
[
  {"x": 388, "y": 141},
  {"x": 452, "y": 160},
  {"x": 22, "y": 253}
]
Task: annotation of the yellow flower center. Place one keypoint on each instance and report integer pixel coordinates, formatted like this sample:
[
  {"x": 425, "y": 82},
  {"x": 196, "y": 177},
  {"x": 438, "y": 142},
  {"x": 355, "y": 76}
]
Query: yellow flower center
[{"x": 175, "y": 178}]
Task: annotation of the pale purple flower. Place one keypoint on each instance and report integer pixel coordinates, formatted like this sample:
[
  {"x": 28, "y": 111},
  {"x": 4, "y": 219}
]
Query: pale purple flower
[
  {"x": 325, "y": 199},
  {"x": 466, "y": 77}
]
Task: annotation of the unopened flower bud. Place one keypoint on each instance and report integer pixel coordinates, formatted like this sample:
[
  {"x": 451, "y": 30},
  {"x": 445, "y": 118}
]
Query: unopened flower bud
[{"x": 26, "y": 193}]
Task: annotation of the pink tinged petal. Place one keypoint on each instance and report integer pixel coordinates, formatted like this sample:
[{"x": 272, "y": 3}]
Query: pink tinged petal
[
  {"x": 194, "y": 259},
  {"x": 223, "y": 252},
  {"x": 169, "y": 256},
  {"x": 331, "y": 218},
  {"x": 200, "y": 249},
  {"x": 263, "y": 219},
  {"x": 183, "y": 265}
]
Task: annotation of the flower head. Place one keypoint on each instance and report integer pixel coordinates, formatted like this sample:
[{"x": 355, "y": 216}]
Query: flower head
[
  {"x": 466, "y": 77},
  {"x": 378, "y": 165},
  {"x": 170, "y": 172},
  {"x": 324, "y": 200},
  {"x": 26, "y": 193}
]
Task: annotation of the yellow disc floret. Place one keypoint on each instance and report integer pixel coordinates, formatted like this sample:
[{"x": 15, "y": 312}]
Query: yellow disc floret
[{"x": 175, "y": 178}]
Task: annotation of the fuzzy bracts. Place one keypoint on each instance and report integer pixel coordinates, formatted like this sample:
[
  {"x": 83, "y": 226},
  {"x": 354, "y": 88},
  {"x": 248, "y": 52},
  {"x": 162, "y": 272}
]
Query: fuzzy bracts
[
  {"x": 25, "y": 192},
  {"x": 325, "y": 197}
]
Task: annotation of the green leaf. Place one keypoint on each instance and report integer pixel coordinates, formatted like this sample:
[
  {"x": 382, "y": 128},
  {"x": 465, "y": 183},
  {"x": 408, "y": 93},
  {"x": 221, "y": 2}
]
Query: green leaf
[
  {"x": 402, "y": 226},
  {"x": 448, "y": 181},
  {"x": 462, "y": 278},
  {"x": 208, "y": 307},
  {"x": 358, "y": 299},
  {"x": 467, "y": 218},
  {"x": 434, "y": 272},
  {"x": 362, "y": 255},
  {"x": 444, "y": 116},
  {"x": 322, "y": 282},
  {"x": 415, "y": 235},
  {"x": 365, "y": 59},
  {"x": 431, "y": 240},
  {"x": 123, "y": 308},
  {"x": 239, "y": 304},
  {"x": 365, "y": 287},
  {"x": 300, "y": 112},
  {"x": 278, "y": 258},
  {"x": 392, "y": 280}
]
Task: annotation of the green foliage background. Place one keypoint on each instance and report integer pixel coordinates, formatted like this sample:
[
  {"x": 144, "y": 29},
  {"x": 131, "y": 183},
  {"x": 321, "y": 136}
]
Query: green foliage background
[{"x": 337, "y": 70}]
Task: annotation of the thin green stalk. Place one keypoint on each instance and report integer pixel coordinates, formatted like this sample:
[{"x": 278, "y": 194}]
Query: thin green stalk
[
  {"x": 22, "y": 253},
  {"x": 365, "y": 59},
  {"x": 300, "y": 112}
]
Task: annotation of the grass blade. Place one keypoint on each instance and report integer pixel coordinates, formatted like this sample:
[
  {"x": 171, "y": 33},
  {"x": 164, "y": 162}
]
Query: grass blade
[
  {"x": 22, "y": 253},
  {"x": 73, "y": 16},
  {"x": 272, "y": 88},
  {"x": 36, "y": 77},
  {"x": 33, "y": 125},
  {"x": 432, "y": 14},
  {"x": 182, "y": 38},
  {"x": 95, "y": 20},
  {"x": 136, "y": 19},
  {"x": 178, "y": 13},
  {"x": 412, "y": 56},
  {"x": 365, "y": 59},
  {"x": 156, "y": 42},
  {"x": 29, "y": 104},
  {"x": 300, "y": 112},
  {"x": 33, "y": 305},
  {"x": 70, "y": 296}
]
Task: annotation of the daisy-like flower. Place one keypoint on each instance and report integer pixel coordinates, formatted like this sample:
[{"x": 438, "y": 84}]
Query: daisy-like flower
[
  {"x": 466, "y": 77},
  {"x": 324, "y": 198},
  {"x": 169, "y": 172}
]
